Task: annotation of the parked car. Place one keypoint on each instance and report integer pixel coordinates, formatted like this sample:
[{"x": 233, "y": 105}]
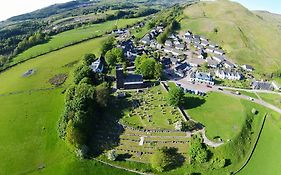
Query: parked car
[
  {"x": 209, "y": 86},
  {"x": 221, "y": 89}
]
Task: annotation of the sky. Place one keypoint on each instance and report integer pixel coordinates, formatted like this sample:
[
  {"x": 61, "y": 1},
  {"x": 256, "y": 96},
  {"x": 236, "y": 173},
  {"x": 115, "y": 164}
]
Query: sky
[
  {"x": 11, "y": 8},
  {"x": 273, "y": 6}
]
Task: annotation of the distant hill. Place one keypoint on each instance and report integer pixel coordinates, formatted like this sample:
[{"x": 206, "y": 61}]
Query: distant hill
[
  {"x": 273, "y": 18},
  {"x": 247, "y": 37}
]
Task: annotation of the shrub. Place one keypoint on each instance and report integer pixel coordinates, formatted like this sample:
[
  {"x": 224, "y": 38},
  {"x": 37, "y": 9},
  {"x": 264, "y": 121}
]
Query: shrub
[
  {"x": 112, "y": 155},
  {"x": 254, "y": 111}
]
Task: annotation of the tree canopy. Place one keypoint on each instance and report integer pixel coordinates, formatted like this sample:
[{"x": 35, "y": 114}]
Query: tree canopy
[
  {"x": 161, "y": 160},
  {"x": 176, "y": 96},
  {"x": 148, "y": 67}
]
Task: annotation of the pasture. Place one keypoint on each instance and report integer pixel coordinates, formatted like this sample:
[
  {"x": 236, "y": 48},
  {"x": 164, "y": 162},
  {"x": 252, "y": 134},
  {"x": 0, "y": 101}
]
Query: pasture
[
  {"x": 222, "y": 115},
  {"x": 274, "y": 99},
  {"x": 46, "y": 67},
  {"x": 74, "y": 36}
]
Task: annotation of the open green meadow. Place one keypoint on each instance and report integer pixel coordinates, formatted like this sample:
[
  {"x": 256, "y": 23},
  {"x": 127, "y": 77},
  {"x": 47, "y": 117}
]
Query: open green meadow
[
  {"x": 46, "y": 67},
  {"x": 266, "y": 158},
  {"x": 73, "y": 36},
  {"x": 222, "y": 115},
  {"x": 274, "y": 99},
  {"x": 243, "y": 35}
]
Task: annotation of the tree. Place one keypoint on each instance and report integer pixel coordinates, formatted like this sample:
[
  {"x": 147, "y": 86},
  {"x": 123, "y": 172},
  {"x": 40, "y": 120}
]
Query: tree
[
  {"x": 107, "y": 45},
  {"x": 178, "y": 125},
  {"x": 148, "y": 67},
  {"x": 176, "y": 96},
  {"x": 189, "y": 125},
  {"x": 110, "y": 58},
  {"x": 73, "y": 135},
  {"x": 89, "y": 58},
  {"x": 197, "y": 151},
  {"x": 161, "y": 160},
  {"x": 81, "y": 72},
  {"x": 102, "y": 94},
  {"x": 119, "y": 54},
  {"x": 112, "y": 155}
]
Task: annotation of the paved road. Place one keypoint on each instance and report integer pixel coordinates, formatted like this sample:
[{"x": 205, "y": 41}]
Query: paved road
[{"x": 201, "y": 87}]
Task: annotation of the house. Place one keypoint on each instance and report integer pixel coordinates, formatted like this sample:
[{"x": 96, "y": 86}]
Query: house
[
  {"x": 196, "y": 62},
  {"x": 212, "y": 63},
  {"x": 198, "y": 46},
  {"x": 202, "y": 54},
  {"x": 146, "y": 39},
  {"x": 204, "y": 43},
  {"x": 219, "y": 58},
  {"x": 219, "y": 51},
  {"x": 169, "y": 43},
  {"x": 188, "y": 34},
  {"x": 203, "y": 38},
  {"x": 276, "y": 85},
  {"x": 166, "y": 62},
  {"x": 262, "y": 85},
  {"x": 248, "y": 68},
  {"x": 209, "y": 49},
  {"x": 212, "y": 45},
  {"x": 168, "y": 49},
  {"x": 177, "y": 52},
  {"x": 174, "y": 60},
  {"x": 201, "y": 77},
  {"x": 227, "y": 64},
  {"x": 228, "y": 74},
  {"x": 180, "y": 46},
  {"x": 98, "y": 65},
  {"x": 159, "y": 46},
  {"x": 181, "y": 69},
  {"x": 128, "y": 81}
]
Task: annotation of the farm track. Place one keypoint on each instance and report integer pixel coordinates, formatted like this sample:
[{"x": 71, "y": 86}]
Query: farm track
[{"x": 31, "y": 91}]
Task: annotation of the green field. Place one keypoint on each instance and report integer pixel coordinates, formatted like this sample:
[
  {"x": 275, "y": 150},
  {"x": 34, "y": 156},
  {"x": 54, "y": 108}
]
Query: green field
[
  {"x": 28, "y": 120},
  {"x": 45, "y": 67},
  {"x": 73, "y": 36},
  {"x": 222, "y": 115},
  {"x": 274, "y": 99},
  {"x": 266, "y": 158},
  {"x": 242, "y": 34}
]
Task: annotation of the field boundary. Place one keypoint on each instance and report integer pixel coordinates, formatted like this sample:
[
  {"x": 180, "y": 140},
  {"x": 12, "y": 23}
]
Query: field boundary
[
  {"x": 122, "y": 168},
  {"x": 254, "y": 147},
  {"x": 50, "y": 51}
]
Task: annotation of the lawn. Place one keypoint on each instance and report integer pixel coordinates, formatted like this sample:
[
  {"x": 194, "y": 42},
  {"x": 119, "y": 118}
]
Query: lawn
[
  {"x": 274, "y": 99},
  {"x": 29, "y": 138},
  {"x": 73, "y": 36},
  {"x": 222, "y": 115},
  {"x": 266, "y": 158},
  {"x": 46, "y": 67},
  {"x": 150, "y": 110}
]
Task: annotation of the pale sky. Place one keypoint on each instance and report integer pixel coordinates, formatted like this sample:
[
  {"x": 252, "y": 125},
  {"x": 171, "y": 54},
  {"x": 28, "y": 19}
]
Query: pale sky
[
  {"x": 273, "y": 6},
  {"x": 9, "y": 8}
]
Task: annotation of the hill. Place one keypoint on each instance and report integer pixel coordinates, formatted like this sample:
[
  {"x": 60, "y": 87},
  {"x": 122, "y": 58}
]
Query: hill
[
  {"x": 273, "y": 18},
  {"x": 246, "y": 37}
]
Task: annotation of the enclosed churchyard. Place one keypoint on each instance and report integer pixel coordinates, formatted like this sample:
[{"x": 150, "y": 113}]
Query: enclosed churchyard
[{"x": 149, "y": 109}]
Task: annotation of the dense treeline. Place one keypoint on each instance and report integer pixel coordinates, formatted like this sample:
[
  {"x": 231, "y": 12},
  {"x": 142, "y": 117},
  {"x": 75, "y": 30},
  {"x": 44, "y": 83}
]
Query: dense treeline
[
  {"x": 84, "y": 104},
  {"x": 12, "y": 36}
]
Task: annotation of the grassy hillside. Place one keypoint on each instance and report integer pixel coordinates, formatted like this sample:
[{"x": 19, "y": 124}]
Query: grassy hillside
[
  {"x": 244, "y": 36},
  {"x": 273, "y": 18},
  {"x": 73, "y": 36},
  {"x": 28, "y": 119}
]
